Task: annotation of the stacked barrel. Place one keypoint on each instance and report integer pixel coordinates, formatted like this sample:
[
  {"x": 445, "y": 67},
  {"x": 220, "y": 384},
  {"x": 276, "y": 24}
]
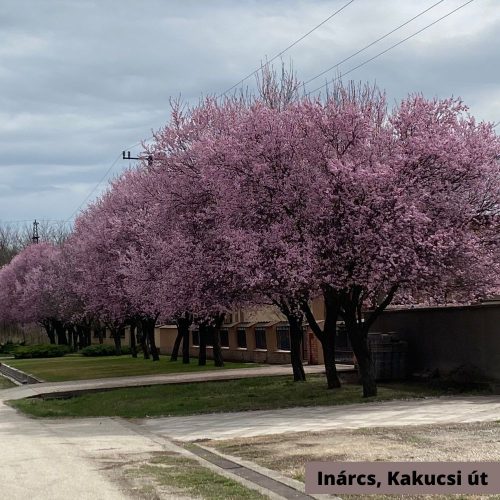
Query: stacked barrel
[{"x": 389, "y": 355}]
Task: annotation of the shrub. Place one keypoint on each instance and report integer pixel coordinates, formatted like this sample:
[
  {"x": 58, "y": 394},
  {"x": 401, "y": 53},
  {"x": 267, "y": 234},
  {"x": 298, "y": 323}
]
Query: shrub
[
  {"x": 41, "y": 351},
  {"x": 98, "y": 350},
  {"x": 9, "y": 347},
  {"x": 103, "y": 350}
]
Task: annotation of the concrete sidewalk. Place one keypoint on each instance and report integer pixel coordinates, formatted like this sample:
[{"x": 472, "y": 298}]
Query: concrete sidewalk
[
  {"x": 40, "y": 463},
  {"x": 74, "y": 386},
  {"x": 387, "y": 414}
]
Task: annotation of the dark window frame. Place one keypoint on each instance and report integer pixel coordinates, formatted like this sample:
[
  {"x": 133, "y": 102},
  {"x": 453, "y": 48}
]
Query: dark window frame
[
  {"x": 241, "y": 333},
  {"x": 224, "y": 337},
  {"x": 260, "y": 335},
  {"x": 283, "y": 338},
  {"x": 195, "y": 338}
]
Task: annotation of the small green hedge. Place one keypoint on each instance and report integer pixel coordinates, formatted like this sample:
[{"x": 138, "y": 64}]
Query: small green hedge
[
  {"x": 9, "y": 347},
  {"x": 103, "y": 350},
  {"x": 41, "y": 351}
]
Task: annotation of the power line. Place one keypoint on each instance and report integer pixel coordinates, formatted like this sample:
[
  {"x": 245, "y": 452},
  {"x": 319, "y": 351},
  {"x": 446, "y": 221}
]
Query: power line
[
  {"x": 317, "y": 76},
  {"x": 391, "y": 47},
  {"x": 373, "y": 43},
  {"x": 224, "y": 93},
  {"x": 103, "y": 178},
  {"x": 287, "y": 48},
  {"x": 95, "y": 187}
]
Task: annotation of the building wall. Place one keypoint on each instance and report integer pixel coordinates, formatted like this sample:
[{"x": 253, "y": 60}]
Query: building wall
[
  {"x": 165, "y": 338},
  {"x": 250, "y": 353},
  {"x": 442, "y": 338},
  {"x": 256, "y": 314},
  {"x": 446, "y": 338},
  {"x": 108, "y": 339}
]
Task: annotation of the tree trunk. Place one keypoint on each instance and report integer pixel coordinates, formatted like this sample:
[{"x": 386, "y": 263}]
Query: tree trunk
[
  {"x": 141, "y": 335},
  {"x": 133, "y": 345},
  {"x": 50, "y": 331},
  {"x": 87, "y": 334},
  {"x": 148, "y": 327},
  {"x": 217, "y": 350},
  {"x": 359, "y": 343},
  {"x": 79, "y": 335},
  {"x": 183, "y": 324},
  {"x": 177, "y": 344},
  {"x": 328, "y": 345},
  {"x": 357, "y": 329},
  {"x": 77, "y": 332},
  {"x": 98, "y": 328},
  {"x": 62, "y": 339},
  {"x": 327, "y": 339},
  {"x": 296, "y": 337},
  {"x": 185, "y": 345},
  {"x": 202, "y": 353},
  {"x": 291, "y": 310},
  {"x": 115, "y": 333},
  {"x": 69, "y": 332}
]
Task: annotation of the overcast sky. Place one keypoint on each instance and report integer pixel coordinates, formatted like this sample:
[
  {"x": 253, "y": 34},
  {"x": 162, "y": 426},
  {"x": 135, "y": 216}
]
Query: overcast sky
[{"x": 82, "y": 80}]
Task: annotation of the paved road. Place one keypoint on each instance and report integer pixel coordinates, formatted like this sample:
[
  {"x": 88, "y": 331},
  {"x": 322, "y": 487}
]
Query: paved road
[
  {"x": 143, "y": 380},
  {"x": 60, "y": 459},
  {"x": 41, "y": 462},
  {"x": 390, "y": 413}
]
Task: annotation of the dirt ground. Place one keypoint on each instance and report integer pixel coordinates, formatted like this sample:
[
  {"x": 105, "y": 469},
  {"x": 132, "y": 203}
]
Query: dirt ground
[{"x": 288, "y": 453}]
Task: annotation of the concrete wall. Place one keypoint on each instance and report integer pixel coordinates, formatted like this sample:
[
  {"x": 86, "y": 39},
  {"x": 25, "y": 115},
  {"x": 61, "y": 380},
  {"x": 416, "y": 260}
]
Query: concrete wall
[{"x": 446, "y": 338}]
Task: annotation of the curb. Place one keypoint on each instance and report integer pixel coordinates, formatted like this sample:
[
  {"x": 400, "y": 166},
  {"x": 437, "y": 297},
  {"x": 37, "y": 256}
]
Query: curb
[
  {"x": 18, "y": 376},
  {"x": 272, "y": 474},
  {"x": 266, "y": 481},
  {"x": 185, "y": 452}
]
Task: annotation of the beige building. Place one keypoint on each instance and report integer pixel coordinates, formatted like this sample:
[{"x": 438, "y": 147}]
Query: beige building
[{"x": 260, "y": 335}]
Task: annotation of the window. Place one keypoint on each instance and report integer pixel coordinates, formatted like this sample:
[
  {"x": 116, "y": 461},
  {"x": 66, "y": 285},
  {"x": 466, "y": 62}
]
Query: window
[
  {"x": 196, "y": 337},
  {"x": 260, "y": 338},
  {"x": 209, "y": 332},
  {"x": 122, "y": 333},
  {"x": 283, "y": 338},
  {"x": 224, "y": 337},
  {"x": 228, "y": 318},
  {"x": 241, "y": 338}
]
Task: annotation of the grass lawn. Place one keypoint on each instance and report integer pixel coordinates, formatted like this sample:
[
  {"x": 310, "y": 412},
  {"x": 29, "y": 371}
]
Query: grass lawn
[
  {"x": 82, "y": 368},
  {"x": 6, "y": 383},
  {"x": 175, "y": 474},
  {"x": 222, "y": 396}
]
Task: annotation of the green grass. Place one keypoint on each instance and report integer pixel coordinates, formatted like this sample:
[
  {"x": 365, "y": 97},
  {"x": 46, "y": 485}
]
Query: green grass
[
  {"x": 222, "y": 396},
  {"x": 188, "y": 477},
  {"x": 6, "y": 383},
  {"x": 82, "y": 368}
]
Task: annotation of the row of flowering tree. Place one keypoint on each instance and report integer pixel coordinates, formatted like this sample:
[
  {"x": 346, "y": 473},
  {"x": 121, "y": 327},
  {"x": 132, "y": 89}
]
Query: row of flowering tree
[{"x": 279, "y": 199}]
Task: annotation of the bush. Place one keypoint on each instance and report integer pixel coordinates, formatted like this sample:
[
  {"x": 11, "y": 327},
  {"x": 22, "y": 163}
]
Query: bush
[
  {"x": 103, "y": 350},
  {"x": 41, "y": 351},
  {"x": 9, "y": 347},
  {"x": 99, "y": 350}
]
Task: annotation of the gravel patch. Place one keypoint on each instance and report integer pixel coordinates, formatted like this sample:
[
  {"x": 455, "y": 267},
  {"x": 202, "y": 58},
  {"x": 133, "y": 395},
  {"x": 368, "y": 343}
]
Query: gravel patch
[{"x": 447, "y": 442}]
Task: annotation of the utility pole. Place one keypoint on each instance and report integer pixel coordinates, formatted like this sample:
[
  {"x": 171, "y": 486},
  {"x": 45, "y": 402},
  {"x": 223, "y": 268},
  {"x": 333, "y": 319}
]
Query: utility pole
[
  {"x": 35, "y": 236},
  {"x": 128, "y": 157}
]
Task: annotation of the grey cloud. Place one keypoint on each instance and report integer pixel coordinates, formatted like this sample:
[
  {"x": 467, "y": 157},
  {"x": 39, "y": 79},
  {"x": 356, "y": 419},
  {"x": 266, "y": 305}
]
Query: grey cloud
[{"x": 80, "y": 81}]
